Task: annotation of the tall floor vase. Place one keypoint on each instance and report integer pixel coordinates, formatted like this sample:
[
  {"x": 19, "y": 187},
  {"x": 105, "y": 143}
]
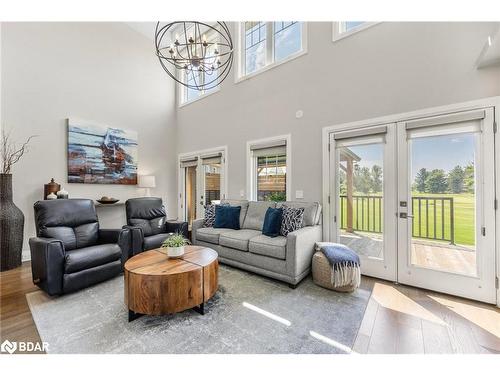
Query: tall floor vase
[{"x": 11, "y": 226}]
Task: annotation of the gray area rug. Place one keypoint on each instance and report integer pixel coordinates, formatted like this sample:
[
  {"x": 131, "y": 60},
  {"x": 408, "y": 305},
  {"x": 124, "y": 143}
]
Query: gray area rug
[{"x": 248, "y": 314}]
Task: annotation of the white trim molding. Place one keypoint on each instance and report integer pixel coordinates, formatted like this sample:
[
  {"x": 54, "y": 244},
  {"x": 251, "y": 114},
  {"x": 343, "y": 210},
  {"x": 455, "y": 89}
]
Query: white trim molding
[{"x": 250, "y": 193}]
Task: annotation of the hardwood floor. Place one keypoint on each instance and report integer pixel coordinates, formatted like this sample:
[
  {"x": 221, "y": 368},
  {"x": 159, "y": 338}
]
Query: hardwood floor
[
  {"x": 403, "y": 319},
  {"x": 398, "y": 319},
  {"x": 16, "y": 322}
]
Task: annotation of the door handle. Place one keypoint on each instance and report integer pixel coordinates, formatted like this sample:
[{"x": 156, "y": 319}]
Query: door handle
[{"x": 404, "y": 215}]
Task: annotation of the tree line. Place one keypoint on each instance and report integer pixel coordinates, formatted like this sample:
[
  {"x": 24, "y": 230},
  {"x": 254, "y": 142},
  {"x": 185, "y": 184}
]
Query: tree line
[
  {"x": 458, "y": 180},
  {"x": 369, "y": 180}
]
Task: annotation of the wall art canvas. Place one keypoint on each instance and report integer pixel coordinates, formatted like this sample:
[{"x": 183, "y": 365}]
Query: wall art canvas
[{"x": 100, "y": 154}]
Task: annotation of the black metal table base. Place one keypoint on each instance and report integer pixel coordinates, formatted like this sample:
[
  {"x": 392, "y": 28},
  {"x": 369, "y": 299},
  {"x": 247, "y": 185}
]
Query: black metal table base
[
  {"x": 133, "y": 315},
  {"x": 200, "y": 309}
]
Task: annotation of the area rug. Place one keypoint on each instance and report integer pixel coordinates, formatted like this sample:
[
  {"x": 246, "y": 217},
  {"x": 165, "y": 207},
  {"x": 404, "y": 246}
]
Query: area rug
[{"x": 248, "y": 314}]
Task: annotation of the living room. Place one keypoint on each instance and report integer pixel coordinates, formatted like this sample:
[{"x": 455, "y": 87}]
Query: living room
[{"x": 250, "y": 187}]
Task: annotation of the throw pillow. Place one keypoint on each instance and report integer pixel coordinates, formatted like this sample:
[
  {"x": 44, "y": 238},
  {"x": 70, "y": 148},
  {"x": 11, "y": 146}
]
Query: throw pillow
[
  {"x": 227, "y": 217},
  {"x": 209, "y": 216},
  {"x": 209, "y": 220},
  {"x": 272, "y": 222},
  {"x": 292, "y": 219}
]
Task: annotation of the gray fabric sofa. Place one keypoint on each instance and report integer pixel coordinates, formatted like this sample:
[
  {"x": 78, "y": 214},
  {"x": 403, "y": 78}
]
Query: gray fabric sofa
[{"x": 284, "y": 258}]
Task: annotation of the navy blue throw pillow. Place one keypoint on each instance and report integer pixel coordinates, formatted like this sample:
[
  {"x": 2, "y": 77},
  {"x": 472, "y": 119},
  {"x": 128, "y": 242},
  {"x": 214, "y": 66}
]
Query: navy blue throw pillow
[
  {"x": 272, "y": 222},
  {"x": 227, "y": 217}
]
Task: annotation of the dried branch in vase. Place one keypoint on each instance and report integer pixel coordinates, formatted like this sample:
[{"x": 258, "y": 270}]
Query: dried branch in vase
[{"x": 10, "y": 152}]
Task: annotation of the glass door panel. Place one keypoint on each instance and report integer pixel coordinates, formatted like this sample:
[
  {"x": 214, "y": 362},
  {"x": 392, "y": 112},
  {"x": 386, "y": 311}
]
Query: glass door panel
[
  {"x": 212, "y": 180},
  {"x": 446, "y": 216},
  {"x": 190, "y": 194},
  {"x": 363, "y": 177},
  {"x": 443, "y": 202},
  {"x": 360, "y": 193}
]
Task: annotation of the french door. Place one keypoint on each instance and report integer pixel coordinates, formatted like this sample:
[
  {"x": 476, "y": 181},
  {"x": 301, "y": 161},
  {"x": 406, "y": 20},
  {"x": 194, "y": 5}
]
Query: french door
[
  {"x": 446, "y": 195},
  {"x": 364, "y": 182},
  {"x": 201, "y": 182},
  {"x": 415, "y": 200}
]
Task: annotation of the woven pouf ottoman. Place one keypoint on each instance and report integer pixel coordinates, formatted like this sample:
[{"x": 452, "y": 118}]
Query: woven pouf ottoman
[{"x": 322, "y": 274}]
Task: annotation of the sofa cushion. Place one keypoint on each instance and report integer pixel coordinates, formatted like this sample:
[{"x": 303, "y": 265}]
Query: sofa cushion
[
  {"x": 211, "y": 234},
  {"x": 312, "y": 211},
  {"x": 155, "y": 241},
  {"x": 73, "y": 237},
  {"x": 93, "y": 256},
  {"x": 272, "y": 222},
  {"x": 227, "y": 217},
  {"x": 255, "y": 214},
  {"x": 150, "y": 227},
  {"x": 238, "y": 239},
  {"x": 243, "y": 203},
  {"x": 274, "y": 247}
]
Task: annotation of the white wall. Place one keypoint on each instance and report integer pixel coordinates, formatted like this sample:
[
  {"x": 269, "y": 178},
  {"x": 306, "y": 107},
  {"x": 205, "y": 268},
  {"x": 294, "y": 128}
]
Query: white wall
[
  {"x": 102, "y": 72},
  {"x": 388, "y": 68}
]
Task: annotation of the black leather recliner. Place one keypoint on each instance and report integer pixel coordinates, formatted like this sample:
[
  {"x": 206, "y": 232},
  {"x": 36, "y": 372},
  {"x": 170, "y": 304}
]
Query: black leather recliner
[
  {"x": 147, "y": 220},
  {"x": 71, "y": 252}
]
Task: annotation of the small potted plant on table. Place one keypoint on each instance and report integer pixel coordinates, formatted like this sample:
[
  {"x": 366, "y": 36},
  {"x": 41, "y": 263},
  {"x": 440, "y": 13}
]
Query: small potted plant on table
[{"x": 175, "y": 245}]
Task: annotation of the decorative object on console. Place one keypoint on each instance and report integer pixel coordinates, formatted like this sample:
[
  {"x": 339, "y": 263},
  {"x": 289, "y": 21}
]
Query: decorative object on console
[
  {"x": 175, "y": 245},
  {"x": 107, "y": 200},
  {"x": 11, "y": 217},
  {"x": 101, "y": 154},
  {"x": 195, "y": 54},
  {"x": 292, "y": 219},
  {"x": 62, "y": 194},
  {"x": 51, "y": 196},
  {"x": 147, "y": 182},
  {"x": 51, "y": 187}
]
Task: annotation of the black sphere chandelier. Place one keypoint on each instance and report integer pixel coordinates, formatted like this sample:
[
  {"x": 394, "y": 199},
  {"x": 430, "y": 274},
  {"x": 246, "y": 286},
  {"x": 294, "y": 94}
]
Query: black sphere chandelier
[{"x": 195, "y": 54}]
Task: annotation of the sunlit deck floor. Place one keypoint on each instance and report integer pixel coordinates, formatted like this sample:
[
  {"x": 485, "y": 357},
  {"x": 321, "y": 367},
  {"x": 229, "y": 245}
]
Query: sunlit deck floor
[{"x": 428, "y": 254}]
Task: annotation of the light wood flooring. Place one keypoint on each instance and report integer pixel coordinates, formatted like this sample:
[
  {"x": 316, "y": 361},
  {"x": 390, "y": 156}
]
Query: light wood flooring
[{"x": 398, "y": 319}]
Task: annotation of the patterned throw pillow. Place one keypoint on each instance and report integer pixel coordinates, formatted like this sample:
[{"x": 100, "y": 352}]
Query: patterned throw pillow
[
  {"x": 292, "y": 219},
  {"x": 209, "y": 219},
  {"x": 209, "y": 216}
]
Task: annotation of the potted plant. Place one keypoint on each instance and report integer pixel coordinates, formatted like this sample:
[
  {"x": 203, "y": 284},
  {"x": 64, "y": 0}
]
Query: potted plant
[{"x": 175, "y": 245}]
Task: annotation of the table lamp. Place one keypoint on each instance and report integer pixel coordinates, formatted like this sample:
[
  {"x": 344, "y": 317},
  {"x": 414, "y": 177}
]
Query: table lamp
[{"x": 147, "y": 182}]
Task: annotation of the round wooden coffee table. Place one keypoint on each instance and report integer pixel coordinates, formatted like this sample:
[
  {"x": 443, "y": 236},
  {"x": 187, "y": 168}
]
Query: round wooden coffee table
[{"x": 156, "y": 284}]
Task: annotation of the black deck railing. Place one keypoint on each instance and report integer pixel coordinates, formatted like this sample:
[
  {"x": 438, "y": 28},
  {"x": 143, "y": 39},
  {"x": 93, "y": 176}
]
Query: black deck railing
[{"x": 433, "y": 217}]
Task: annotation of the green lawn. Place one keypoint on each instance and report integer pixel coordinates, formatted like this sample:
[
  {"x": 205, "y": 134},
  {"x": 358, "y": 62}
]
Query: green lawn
[{"x": 367, "y": 214}]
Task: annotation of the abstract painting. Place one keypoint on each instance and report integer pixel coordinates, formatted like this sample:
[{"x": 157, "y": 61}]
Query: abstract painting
[{"x": 100, "y": 154}]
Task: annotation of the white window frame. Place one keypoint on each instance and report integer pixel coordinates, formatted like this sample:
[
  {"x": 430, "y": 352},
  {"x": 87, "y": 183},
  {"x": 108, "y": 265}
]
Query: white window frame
[
  {"x": 251, "y": 165},
  {"x": 270, "y": 63},
  {"x": 181, "y": 181},
  {"x": 338, "y": 34}
]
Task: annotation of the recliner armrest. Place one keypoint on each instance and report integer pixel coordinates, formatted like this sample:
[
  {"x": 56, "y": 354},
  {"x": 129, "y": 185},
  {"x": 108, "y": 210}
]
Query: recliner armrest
[
  {"x": 137, "y": 236},
  {"x": 121, "y": 237},
  {"x": 47, "y": 263},
  {"x": 174, "y": 226}
]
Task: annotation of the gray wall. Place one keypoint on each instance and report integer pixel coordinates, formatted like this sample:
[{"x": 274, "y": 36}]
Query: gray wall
[
  {"x": 101, "y": 72},
  {"x": 387, "y": 69}
]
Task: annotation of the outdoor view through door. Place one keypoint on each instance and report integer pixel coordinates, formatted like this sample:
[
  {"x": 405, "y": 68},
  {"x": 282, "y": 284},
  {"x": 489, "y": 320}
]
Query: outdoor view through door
[
  {"x": 360, "y": 195},
  {"x": 443, "y": 201}
]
